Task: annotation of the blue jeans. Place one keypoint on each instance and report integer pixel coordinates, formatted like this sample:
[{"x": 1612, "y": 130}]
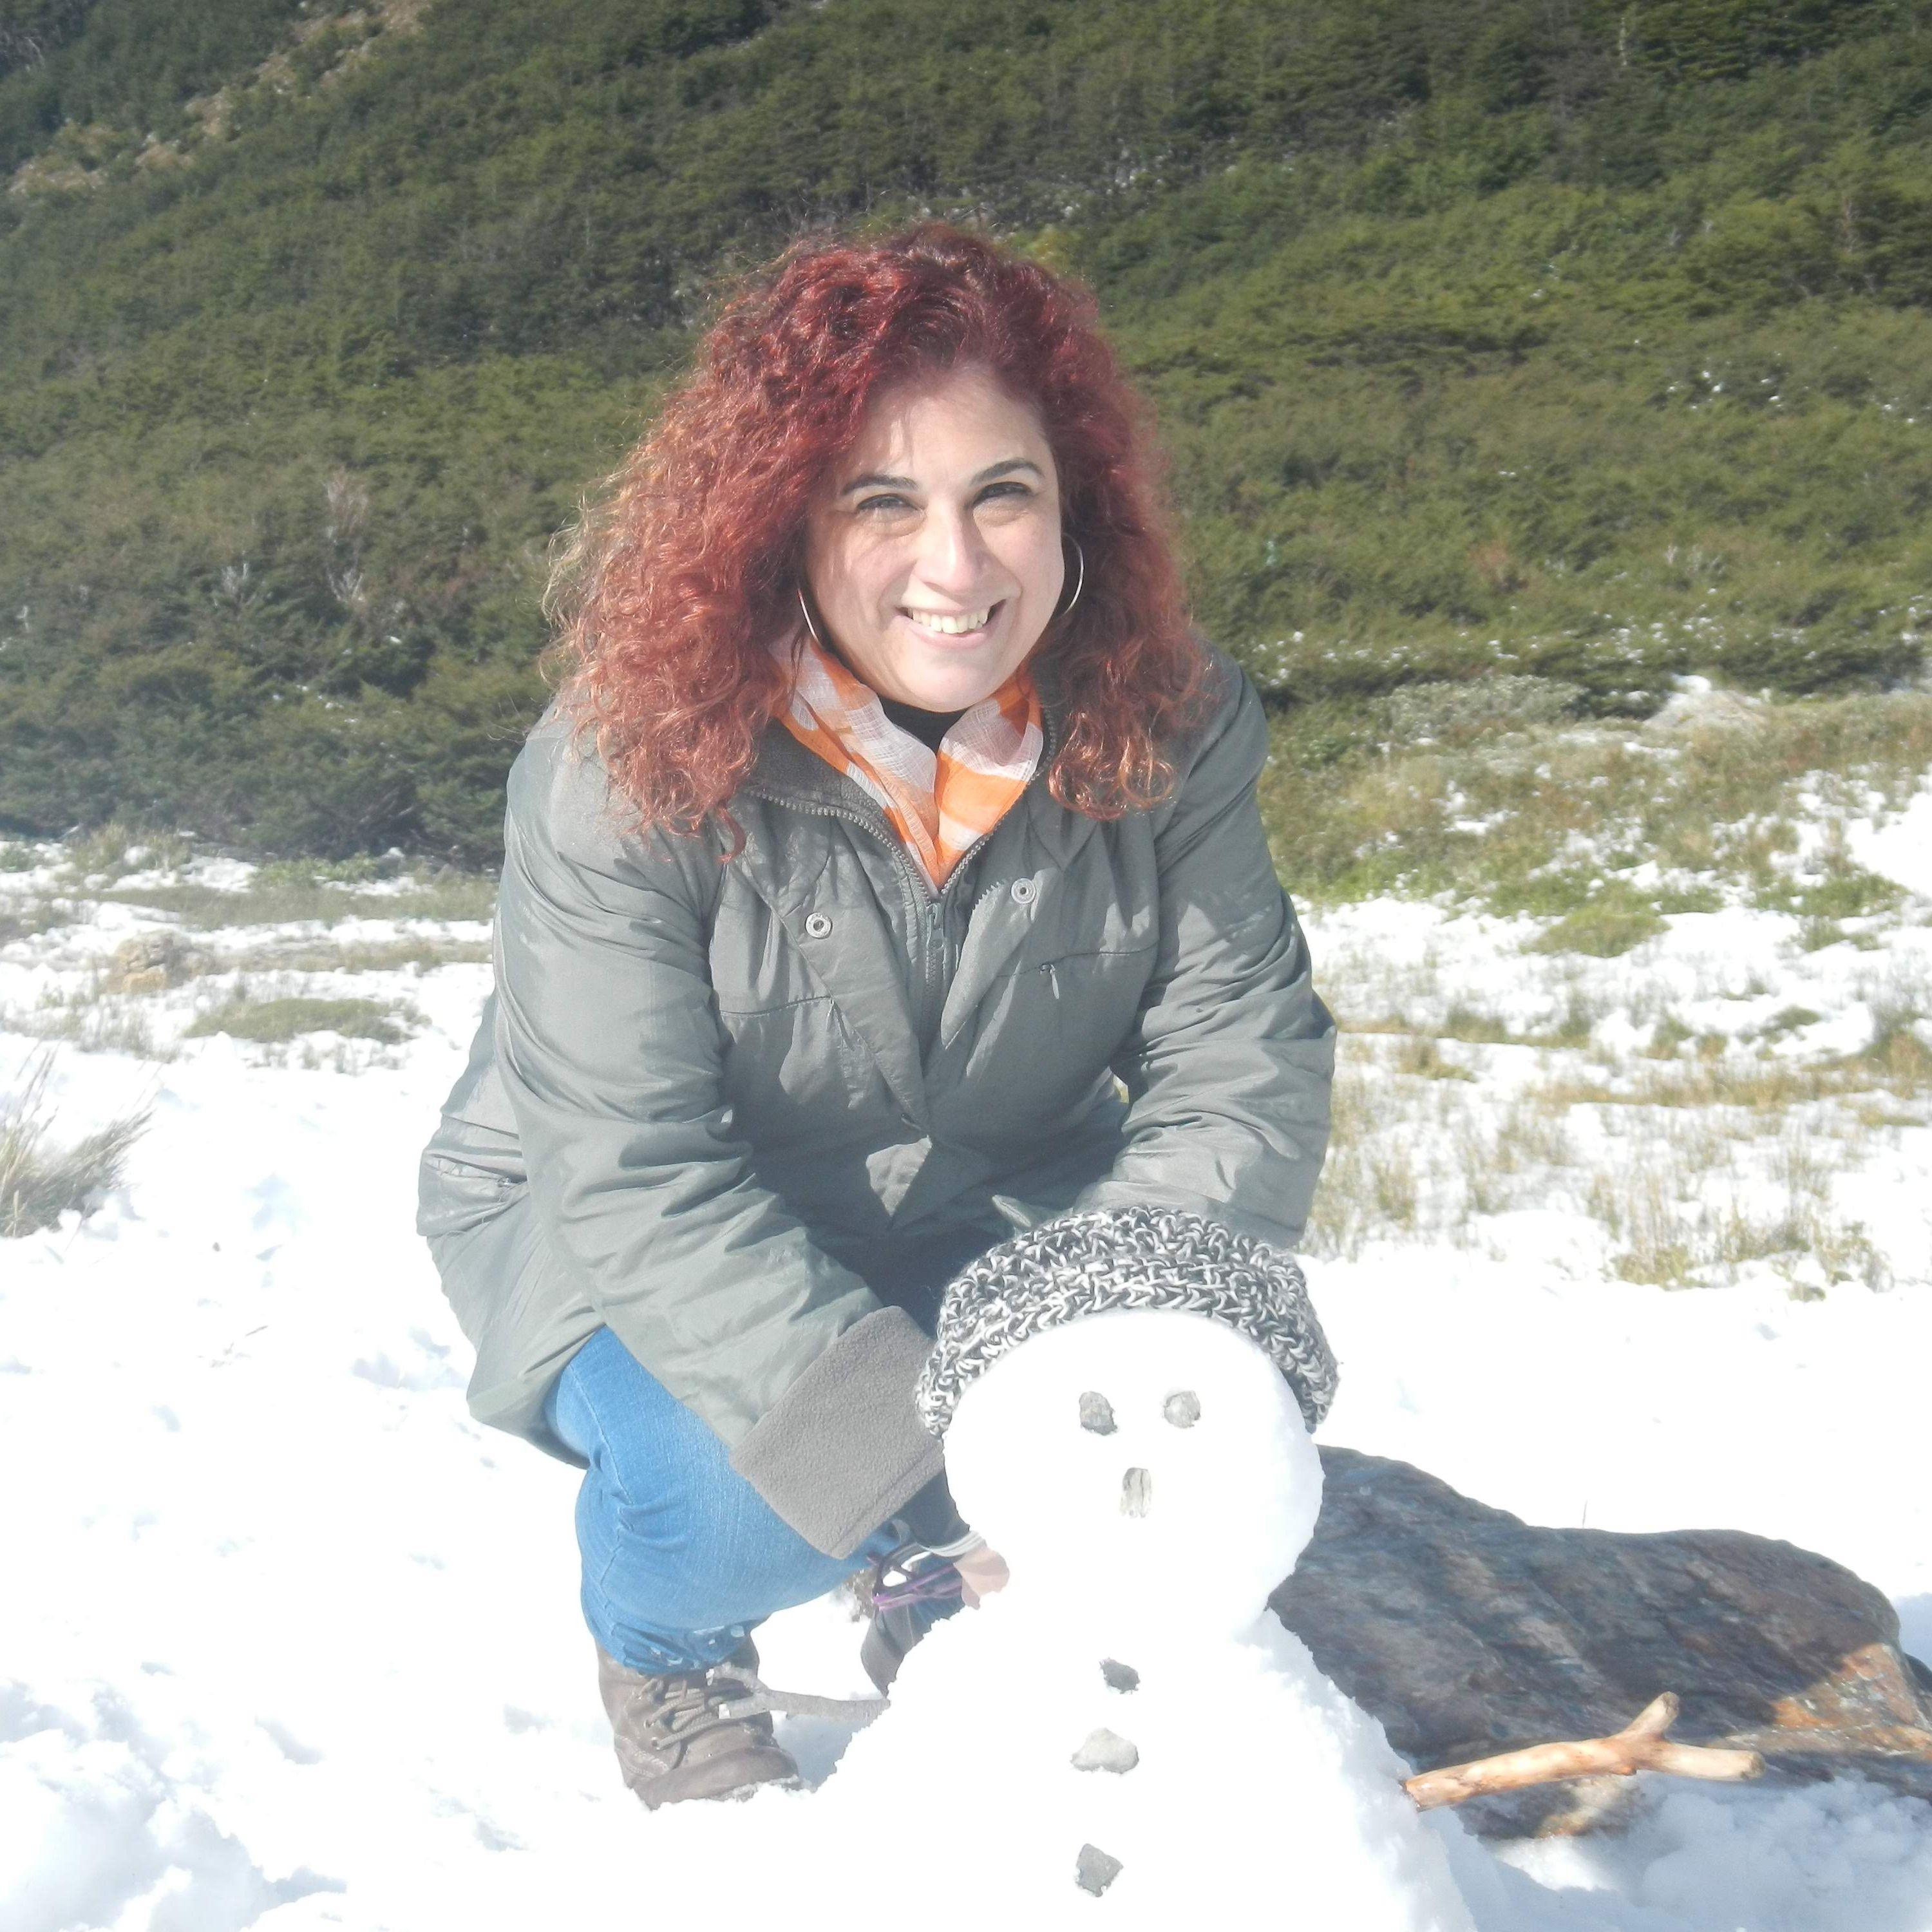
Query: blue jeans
[{"x": 682, "y": 1556}]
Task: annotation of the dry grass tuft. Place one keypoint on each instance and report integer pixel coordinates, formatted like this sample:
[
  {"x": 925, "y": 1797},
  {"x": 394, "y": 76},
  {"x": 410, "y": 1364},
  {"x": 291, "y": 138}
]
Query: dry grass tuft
[
  {"x": 40, "y": 1181},
  {"x": 1605, "y": 928},
  {"x": 1421, "y": 1057},
  {"x": 86, "y": 1017},
  {"x": 1542, "y": 820},
  {"x": 279, "y": 899},
  {"x": 277, "y": 1022},
  {"x": 1702, "y": 1156}
]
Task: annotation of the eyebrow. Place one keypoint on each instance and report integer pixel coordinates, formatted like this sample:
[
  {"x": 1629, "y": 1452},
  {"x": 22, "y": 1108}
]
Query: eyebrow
[{"x": 878, "y": 480}]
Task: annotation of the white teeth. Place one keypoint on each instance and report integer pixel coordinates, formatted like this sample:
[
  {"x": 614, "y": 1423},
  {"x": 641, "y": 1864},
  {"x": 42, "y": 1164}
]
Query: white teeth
[{"x": 951, "y": 627}]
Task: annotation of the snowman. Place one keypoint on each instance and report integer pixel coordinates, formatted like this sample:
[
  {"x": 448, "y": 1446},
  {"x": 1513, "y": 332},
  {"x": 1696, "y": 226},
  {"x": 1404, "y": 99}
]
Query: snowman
[{"x": 1126, "y": 1735}]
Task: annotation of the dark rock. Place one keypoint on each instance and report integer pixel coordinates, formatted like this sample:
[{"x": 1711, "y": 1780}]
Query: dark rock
[
  {"x": 1467, "y": 1632},
  {"x": 1120, "y": 1677}
]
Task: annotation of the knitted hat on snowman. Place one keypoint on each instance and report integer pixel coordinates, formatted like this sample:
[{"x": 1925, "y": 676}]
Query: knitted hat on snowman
[{"x": 1125, "y": 1258}]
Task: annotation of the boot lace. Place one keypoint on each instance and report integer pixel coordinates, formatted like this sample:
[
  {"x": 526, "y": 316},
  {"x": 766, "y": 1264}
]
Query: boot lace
[{"x": 693, "y": 1703}]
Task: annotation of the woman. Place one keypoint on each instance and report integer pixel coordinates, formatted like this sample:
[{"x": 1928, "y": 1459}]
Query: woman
[{"x": 888, "y": 877}]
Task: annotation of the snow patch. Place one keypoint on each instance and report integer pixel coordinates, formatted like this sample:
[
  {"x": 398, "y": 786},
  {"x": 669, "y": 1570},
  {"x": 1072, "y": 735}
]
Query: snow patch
[{"x": 291, "y": 1641}]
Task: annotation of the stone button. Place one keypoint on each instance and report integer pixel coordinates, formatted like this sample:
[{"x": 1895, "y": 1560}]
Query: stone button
[
  {"x": 1106, "y": 1751},
  {"x": 1096, "y": 1870}
]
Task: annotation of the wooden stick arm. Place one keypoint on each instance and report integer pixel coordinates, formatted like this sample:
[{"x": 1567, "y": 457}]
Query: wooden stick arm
[{"x": 1641, "y": 1745}]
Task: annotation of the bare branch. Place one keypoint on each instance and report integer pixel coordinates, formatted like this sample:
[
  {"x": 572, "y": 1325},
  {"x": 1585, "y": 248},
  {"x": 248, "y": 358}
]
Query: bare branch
[{"x": 1641, "y": 1745}]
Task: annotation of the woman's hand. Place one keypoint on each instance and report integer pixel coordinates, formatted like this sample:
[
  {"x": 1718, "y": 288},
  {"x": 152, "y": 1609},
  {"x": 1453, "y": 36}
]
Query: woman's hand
[{"x": 982, "y": 1571}]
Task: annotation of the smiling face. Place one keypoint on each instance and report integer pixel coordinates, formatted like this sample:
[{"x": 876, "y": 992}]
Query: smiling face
[
  {"x": 1147, "y": 1456},
  {"x": 933, "y": 557}
]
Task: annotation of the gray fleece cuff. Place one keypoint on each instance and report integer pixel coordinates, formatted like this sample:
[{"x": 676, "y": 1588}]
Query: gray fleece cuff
[{"x": 843, "y": 1449}]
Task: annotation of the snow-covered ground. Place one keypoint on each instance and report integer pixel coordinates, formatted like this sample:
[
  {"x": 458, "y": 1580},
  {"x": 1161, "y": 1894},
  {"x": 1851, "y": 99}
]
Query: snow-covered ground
[{"x": 288, "y": 1641}]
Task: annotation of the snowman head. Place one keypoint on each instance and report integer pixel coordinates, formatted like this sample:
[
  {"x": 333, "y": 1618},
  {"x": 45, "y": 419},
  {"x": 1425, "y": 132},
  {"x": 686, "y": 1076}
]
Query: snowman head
[{"x": 1149, "y": 1459}]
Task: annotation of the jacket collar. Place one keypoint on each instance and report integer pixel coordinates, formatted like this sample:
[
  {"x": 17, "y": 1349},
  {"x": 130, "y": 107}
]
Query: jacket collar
[
  {"x": 787, "y": 773},
  {"x": 862, "y": 973}
]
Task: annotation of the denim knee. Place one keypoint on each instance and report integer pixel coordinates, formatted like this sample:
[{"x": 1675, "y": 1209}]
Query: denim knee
[{"x": 681, "y": 1556}]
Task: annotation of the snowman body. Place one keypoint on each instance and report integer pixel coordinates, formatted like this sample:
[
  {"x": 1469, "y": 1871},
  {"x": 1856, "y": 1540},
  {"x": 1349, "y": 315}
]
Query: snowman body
[{"x": 1125, "y": 1735}]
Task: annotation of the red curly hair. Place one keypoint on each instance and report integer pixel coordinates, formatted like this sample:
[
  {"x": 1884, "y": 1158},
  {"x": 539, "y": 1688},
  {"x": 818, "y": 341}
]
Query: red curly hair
[{"x": 670, "y": 591}]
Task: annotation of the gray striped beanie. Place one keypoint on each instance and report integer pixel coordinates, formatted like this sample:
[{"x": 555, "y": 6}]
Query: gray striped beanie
[{"x": 1124, "y": 1258}]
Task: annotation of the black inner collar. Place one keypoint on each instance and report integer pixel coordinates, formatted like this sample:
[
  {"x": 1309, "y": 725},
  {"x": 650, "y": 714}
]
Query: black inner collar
[{"x": 928, "y": 727}]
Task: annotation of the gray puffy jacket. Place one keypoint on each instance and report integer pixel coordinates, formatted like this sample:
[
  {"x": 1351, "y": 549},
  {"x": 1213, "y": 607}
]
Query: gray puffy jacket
[{"x": 753, "y": 1115}]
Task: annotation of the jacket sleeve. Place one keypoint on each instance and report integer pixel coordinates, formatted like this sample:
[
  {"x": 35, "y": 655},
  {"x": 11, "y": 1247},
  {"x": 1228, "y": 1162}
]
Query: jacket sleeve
[
  {"x": 1228, "y": 1065},
  {"x": 611, "y": 1052}
]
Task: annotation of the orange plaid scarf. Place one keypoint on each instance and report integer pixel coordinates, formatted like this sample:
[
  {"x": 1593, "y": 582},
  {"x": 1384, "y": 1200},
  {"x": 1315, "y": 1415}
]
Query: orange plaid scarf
[{"x": 940, "y": 803}]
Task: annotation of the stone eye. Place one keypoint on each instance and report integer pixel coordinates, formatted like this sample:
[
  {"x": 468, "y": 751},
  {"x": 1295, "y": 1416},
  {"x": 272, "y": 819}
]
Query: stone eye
[
  {"x": 1096, "y": 1413},
  {"x": 1182, "y": 1408}
]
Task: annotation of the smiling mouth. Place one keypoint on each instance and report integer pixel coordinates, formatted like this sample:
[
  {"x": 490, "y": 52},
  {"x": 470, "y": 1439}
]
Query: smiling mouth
[{"x": 950, "y": 624}]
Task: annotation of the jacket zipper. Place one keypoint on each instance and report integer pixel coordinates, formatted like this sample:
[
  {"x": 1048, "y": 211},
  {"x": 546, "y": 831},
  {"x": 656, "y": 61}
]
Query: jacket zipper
[
  {"x": 925, "y": 908},
  {"x": 1048, "y": 745}
]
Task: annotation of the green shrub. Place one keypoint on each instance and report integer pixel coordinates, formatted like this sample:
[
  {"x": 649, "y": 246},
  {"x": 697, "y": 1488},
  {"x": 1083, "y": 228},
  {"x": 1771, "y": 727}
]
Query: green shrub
[
  {"x": 1606, "y": 927},
  {"x": 1849, "y": 891},
  {"x": 1509, "y": 363},
  {"x": 1458, "y": 711}
]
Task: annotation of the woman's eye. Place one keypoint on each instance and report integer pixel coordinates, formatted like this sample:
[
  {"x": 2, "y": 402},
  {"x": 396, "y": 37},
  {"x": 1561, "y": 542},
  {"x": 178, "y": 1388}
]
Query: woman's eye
[{"x": 885, "y": 503}]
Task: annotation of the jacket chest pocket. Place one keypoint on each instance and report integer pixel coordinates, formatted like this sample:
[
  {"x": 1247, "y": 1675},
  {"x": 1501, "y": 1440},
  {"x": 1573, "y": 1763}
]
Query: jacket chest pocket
[
  {"x": 1042, "y": 1037},
  {"x": 1042, "y": 1040},
  {"x": 756, "y": 966},
  {"x": 793, "y": 1068},
  {"x": 1069, "y": 993},
  {"x": 1049, "y": 1029}
]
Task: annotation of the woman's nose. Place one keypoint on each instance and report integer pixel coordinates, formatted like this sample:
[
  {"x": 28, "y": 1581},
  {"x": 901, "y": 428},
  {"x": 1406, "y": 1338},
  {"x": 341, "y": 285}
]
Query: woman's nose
[{"x": 953, "y": 556}]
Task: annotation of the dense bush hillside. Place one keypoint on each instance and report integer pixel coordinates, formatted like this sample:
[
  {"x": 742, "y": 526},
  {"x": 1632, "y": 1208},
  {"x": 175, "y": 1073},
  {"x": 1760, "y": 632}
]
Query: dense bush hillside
[{"x": 1583, "y": 338}]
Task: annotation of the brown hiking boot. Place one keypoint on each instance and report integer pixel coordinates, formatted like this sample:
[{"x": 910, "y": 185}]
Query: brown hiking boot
[{"x": 673, "y": 1740}]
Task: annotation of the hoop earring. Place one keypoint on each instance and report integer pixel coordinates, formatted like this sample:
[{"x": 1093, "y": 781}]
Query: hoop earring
[
  {"x": 804, "y": 611},
  {"x": 1080, "y": 582}
]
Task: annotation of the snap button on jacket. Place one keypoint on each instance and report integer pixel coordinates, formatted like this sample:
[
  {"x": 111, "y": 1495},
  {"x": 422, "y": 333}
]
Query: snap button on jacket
[{"x": 752, "y": 1114}]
